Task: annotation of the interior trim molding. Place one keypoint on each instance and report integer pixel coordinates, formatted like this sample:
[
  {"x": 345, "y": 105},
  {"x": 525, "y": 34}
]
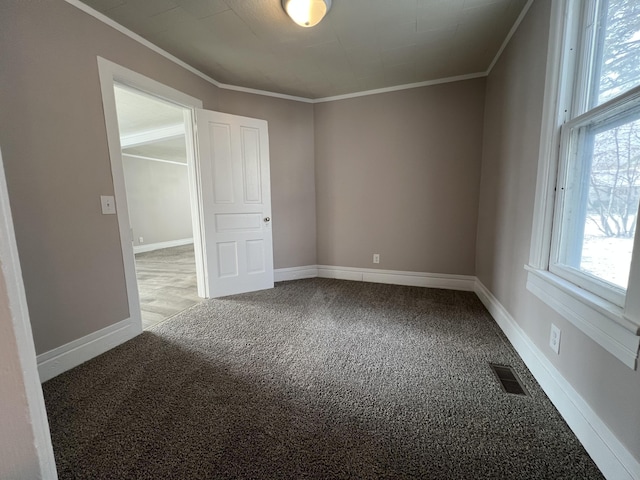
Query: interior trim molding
[
  {"x": 152, "y": 46},
  {"x": 151, "y": 159},
  {"x": 110, "y": 73},
  {"x": 609, "y": 454},
  {"x": 265, "y": 93},
  {"x": 295, "y": 273},
  {"x": 396, "y": 277},
  {"x": 21, "y": 369},
  {"x": 134, "y": 36},
  {"x": 396, "y": 88},
  {"x": 603, "y": 323},
  {"x": 555, "y": 104},
  {"x": 510, "y": 35},
  {"x": 152, "y": 136},
  {"x": 150, "y": 247},
  {"x": 391, "y": 277},
  {"x": 59, "y": 360}
]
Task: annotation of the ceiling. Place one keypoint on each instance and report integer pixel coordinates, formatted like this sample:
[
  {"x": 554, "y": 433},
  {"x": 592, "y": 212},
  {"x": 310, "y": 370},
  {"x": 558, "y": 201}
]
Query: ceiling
[
  {"x": 360, "y": 45},
  {"x": 150, "y": 127},
  {"x": 171, "y": 150},
  {"x": 138, "y": 112}
]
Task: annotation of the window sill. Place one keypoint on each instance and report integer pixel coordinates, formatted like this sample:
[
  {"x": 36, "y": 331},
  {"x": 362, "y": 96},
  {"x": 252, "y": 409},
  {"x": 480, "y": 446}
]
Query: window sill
[{"x": 602, "y": 321}]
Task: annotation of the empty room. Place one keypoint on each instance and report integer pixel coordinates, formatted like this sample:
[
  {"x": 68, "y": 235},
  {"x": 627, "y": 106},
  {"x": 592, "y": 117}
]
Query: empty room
[{"x": 319, "y": 239}]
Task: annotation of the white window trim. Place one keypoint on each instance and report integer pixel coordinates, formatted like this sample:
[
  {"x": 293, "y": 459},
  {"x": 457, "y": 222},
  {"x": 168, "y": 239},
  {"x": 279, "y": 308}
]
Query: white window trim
[
  {"x": 614, "y": 328},
  {"x": 569, "y": 138}
]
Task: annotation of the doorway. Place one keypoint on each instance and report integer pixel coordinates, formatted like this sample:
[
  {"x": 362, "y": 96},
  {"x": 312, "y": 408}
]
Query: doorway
[
  {"x": 227, "y": 158},
  {"x": 155, "y": 156}
]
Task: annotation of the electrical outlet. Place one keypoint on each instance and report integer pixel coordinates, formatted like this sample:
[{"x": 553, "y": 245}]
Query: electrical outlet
[
  {"x": 376, "y": 258},
  {"x": 554, "y": 339},
  {"x": 140, "y": 239}
]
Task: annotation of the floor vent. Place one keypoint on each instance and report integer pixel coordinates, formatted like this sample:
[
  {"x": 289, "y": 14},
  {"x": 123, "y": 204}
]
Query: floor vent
[{"x": 508, "y": 379}]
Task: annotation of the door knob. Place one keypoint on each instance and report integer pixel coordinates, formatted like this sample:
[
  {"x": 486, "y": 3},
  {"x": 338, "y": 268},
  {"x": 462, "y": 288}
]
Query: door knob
[{"x": 267, "y": 219}]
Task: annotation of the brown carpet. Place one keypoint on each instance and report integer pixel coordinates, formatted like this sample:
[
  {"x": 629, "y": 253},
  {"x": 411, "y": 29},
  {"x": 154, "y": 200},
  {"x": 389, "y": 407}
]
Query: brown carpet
[{"x": 315, "y": 379}]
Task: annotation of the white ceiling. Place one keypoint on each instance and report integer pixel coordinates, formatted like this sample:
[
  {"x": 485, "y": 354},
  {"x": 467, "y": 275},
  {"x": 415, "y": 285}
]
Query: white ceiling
[
  {"x": 172, "y": 149},
  {"x": 360, "y": 45},
  {"x": 144, "y": 123},
  {"x": 138, "y": 112}
]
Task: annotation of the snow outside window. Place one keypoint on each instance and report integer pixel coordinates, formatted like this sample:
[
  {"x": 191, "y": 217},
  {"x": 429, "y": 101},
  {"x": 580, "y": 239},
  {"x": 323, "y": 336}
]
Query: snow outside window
[
  {"x": 585, "y": 254},
  {"x": 598, "y": 187}
]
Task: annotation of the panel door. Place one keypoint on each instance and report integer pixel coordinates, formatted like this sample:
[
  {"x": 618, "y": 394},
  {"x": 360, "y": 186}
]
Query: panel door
[{"x": 236, "y": 202}]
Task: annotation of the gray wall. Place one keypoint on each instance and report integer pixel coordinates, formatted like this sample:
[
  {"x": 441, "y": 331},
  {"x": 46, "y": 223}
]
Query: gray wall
[
  {"x": 53, "y": 138},
  {"x": 158, "y": 200},
  {"x": 395, "y": 174},
  {"x": 398, "y": 174},
  {"x": 515, "y": 90}
]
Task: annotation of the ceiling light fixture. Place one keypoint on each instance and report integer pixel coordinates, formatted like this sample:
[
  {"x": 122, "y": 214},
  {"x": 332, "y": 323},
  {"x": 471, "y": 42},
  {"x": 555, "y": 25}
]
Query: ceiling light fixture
[{"x": 306, "y": 13}]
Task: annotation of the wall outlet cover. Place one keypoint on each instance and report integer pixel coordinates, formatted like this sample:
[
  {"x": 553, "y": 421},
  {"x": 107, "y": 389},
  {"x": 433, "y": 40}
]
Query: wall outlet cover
[{"x": 554, "y": 339}]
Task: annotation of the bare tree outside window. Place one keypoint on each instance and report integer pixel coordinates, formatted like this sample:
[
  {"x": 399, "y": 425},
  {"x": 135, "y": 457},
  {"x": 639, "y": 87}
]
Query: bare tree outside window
[
  {"x": 619, "y": 57},
  {"x": 612, "y": 202},
  {"x": 614, "y": 180}
]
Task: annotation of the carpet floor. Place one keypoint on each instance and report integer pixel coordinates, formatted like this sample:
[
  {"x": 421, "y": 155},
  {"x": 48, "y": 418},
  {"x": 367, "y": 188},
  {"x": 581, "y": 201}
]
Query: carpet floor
[{"x": 319, "y": 378}]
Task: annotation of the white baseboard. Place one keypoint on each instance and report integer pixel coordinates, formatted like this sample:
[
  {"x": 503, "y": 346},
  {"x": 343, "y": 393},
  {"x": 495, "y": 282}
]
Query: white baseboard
[
  {"x": 609, "y": 454},
  {"x": 394, "y": 277},
  {"x": 59, "y": 360},
  {"x": 150, "y": 247},
  {"x": 295, "y": 273}
]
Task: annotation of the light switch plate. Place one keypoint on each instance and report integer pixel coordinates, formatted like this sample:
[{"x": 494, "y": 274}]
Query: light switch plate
[{"x": 108, "y": 205}]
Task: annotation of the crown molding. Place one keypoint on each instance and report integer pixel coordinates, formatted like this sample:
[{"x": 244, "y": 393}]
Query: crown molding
[
  {"x": 143, "y": 41},
  {"x": 519, "y": 20},
  {"x": 134, "y": 36},
  {"x": 266, "y": 93},
  {"x": 396, "y": 88}
]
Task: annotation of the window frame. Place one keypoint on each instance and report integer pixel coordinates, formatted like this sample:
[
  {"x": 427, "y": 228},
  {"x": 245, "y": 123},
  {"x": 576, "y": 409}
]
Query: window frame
[
  {"x": 615, "y": 325},
  {"x": 570, "y": 140}
]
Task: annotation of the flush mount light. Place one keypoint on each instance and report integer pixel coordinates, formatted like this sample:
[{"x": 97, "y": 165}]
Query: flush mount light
[{"x": 306, "y": 13}]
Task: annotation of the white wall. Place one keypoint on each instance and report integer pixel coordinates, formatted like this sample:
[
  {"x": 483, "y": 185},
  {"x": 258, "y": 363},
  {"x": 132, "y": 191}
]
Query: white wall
[{"x": 158, "y": 198}]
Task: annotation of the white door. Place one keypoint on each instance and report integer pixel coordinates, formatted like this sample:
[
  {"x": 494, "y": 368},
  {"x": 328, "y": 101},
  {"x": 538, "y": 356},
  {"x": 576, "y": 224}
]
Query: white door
[{"x": 236, "y": 202}]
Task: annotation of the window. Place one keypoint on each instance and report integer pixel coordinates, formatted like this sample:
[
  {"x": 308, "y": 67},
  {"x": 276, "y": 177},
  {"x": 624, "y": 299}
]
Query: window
[
  {"x": 599, "y": 178},
  {"x": 587, "y": 224}
]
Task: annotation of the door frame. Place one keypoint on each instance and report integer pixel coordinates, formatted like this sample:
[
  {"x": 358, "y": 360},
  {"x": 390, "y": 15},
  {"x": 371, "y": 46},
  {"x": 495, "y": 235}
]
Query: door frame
[
  {"x": 110, "y": 74},
  {"x": 20, "y": 378}
]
